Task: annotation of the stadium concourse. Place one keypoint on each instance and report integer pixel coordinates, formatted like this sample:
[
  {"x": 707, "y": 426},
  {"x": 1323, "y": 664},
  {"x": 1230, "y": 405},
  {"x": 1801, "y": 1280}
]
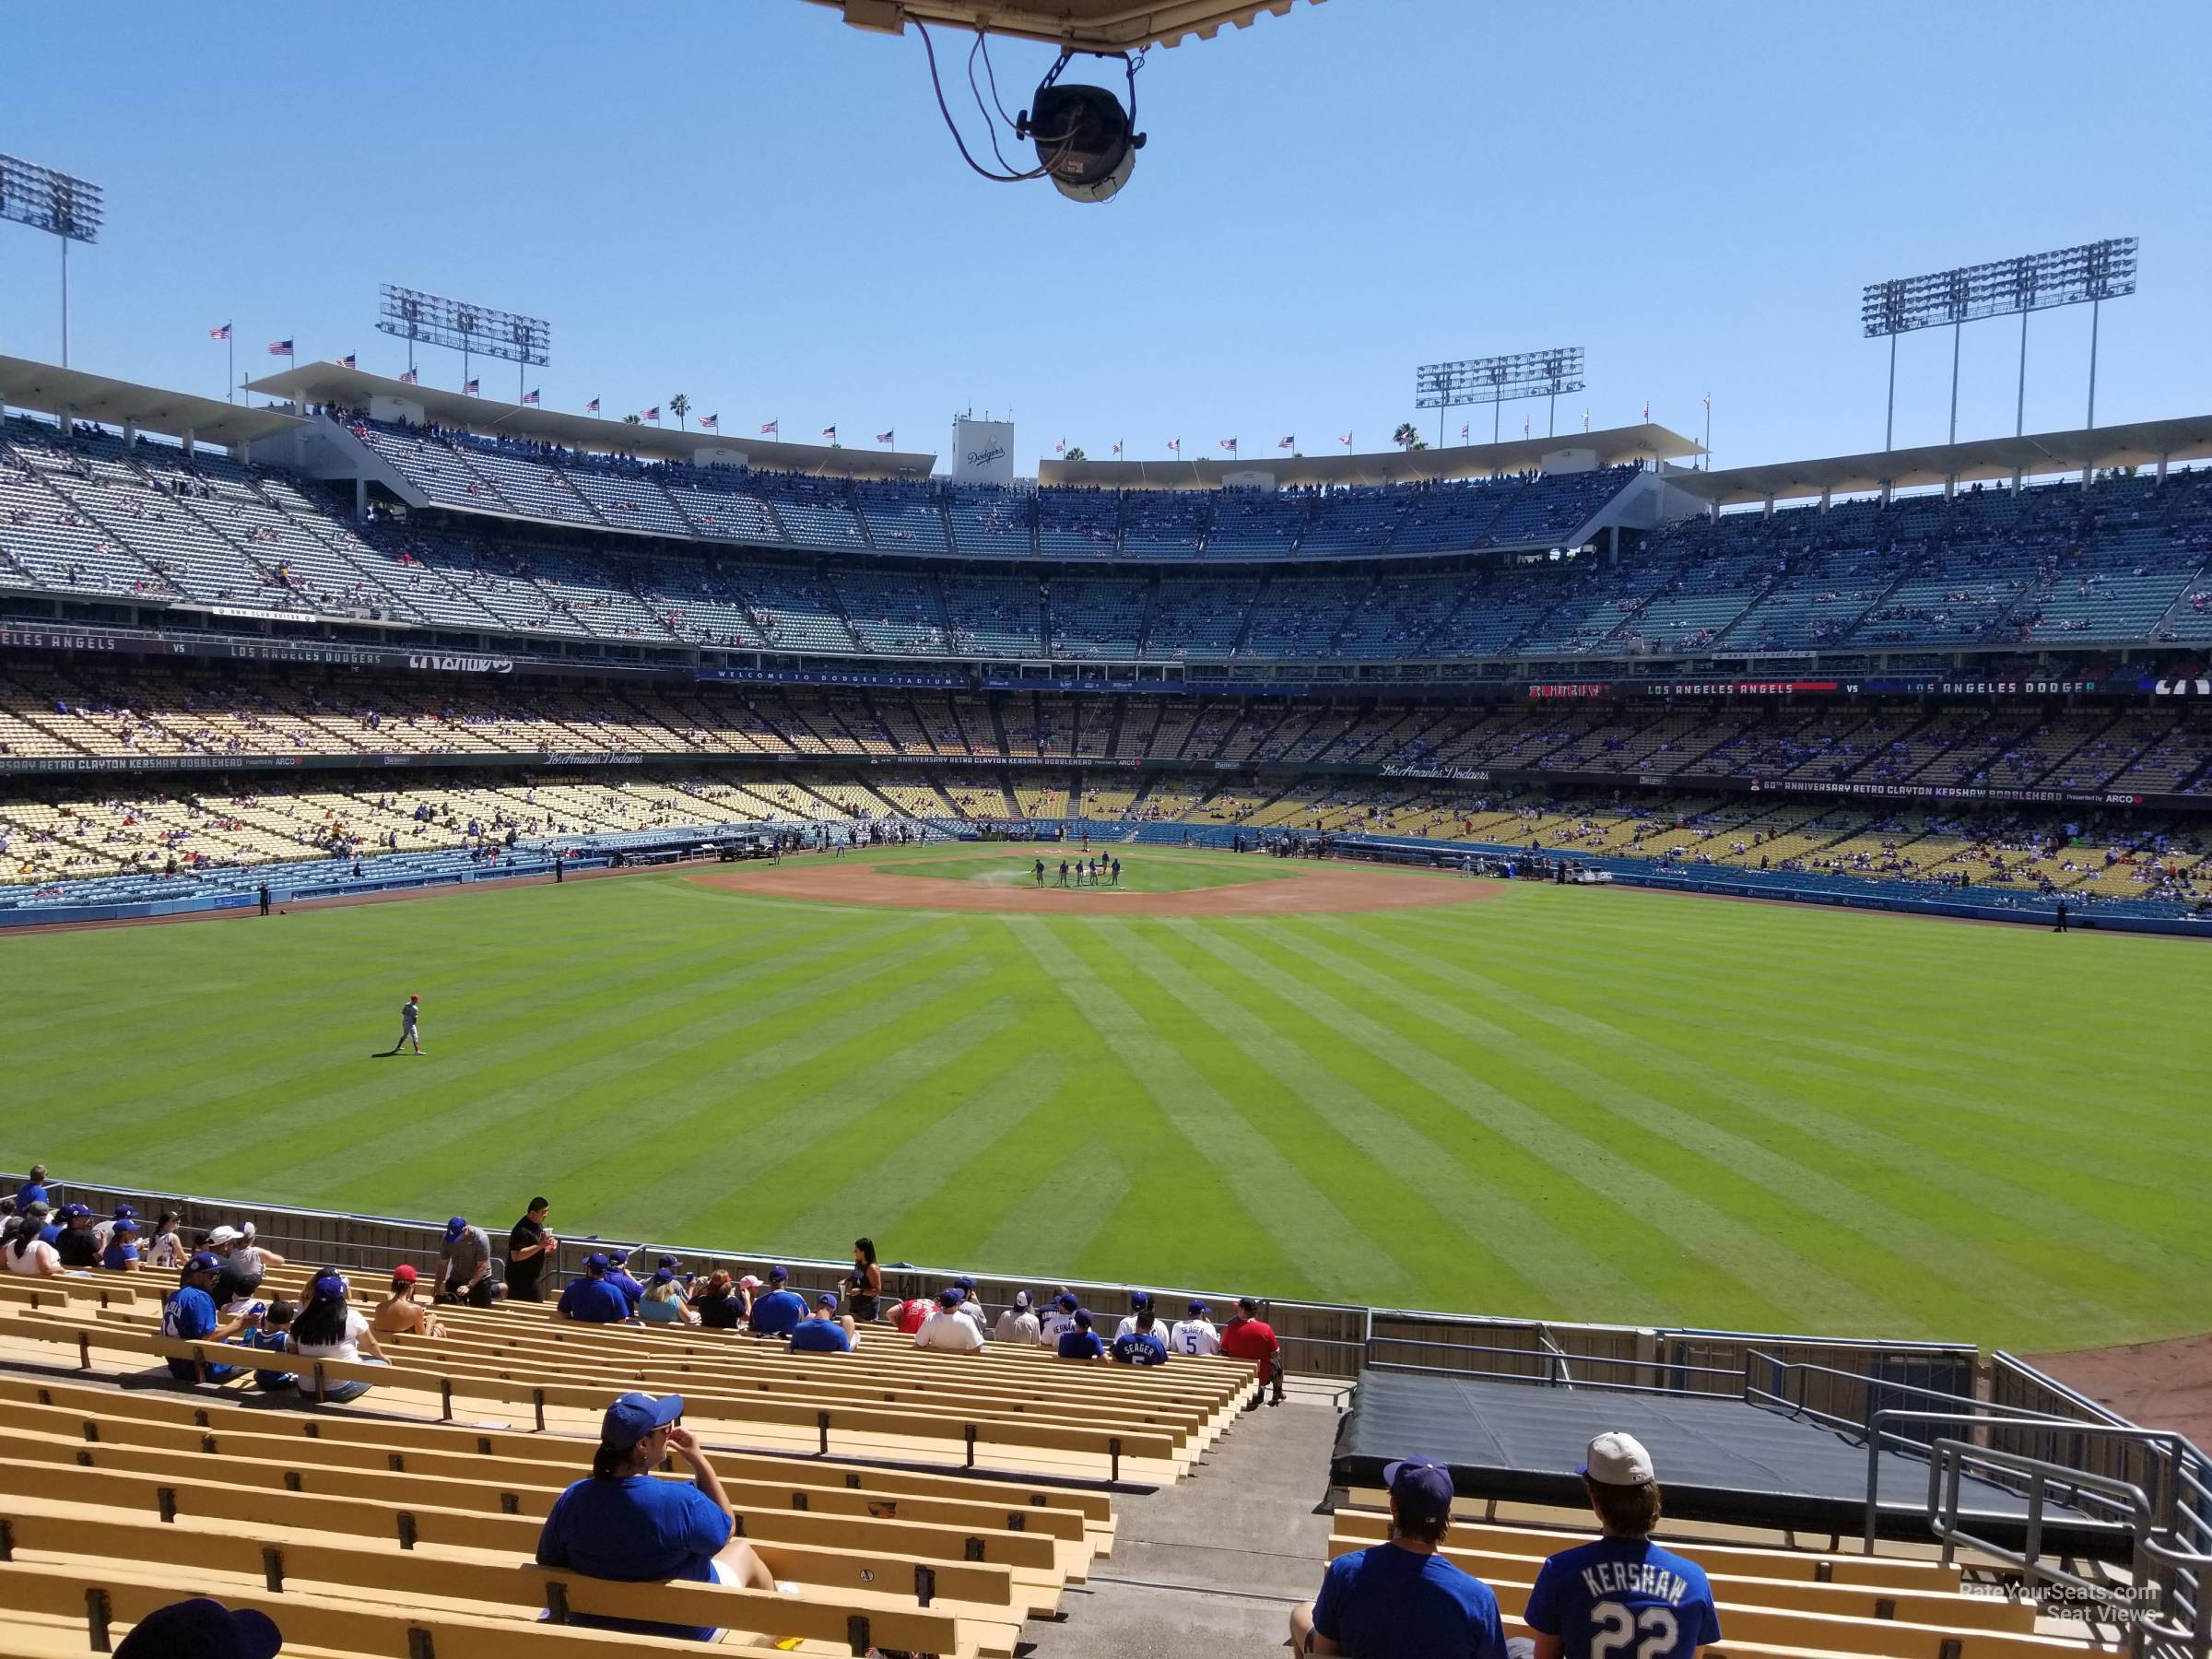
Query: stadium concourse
[{"x": 913, "y": 1497}]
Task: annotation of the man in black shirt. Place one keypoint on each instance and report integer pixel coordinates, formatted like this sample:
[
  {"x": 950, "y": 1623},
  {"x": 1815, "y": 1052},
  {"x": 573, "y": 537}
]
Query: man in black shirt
[
  {"x": 529, "y": 1250},
  {"x": 79, "y": 1246}
]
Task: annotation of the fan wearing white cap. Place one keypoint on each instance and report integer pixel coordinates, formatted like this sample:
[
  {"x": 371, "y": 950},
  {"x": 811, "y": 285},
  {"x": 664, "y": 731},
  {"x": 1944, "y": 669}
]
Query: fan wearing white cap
[
  {"x": 1401, "y": 1599},
  {"x": 625, "y": 1524},
  {"x": 1622, "y": 1593}
]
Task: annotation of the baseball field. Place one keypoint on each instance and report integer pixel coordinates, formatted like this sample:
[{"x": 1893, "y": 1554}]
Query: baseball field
[{"x": 1241, "y": 1074}]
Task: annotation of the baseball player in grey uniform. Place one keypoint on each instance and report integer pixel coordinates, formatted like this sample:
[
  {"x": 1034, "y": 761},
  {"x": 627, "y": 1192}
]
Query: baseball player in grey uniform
[{"x": 410, "y": 1025}]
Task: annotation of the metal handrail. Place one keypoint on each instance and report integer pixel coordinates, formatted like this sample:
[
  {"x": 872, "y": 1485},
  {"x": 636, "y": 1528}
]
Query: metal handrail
[
  {"x": 1554, "y": 1350},
  {"x": 2154, "y": 1609}
]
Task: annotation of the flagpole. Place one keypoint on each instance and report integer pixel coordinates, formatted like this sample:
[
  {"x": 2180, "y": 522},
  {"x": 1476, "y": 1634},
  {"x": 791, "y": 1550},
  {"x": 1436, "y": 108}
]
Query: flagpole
[{"x": 231, "y": 368}]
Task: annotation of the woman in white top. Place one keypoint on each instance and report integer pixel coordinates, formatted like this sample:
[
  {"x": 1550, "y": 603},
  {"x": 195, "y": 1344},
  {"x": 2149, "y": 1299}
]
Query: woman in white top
[
  {"x": 166, "y": 1249},
  {"x": 328, "y": 1328},
  {"x": 28, "y": 1255}
]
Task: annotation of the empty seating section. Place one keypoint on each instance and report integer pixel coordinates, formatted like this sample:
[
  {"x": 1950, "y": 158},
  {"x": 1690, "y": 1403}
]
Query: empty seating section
[
  {"x": 725, "y": 512},
  {"x": 1298, "y": 616},
  {"x": 629, "y": 501},
  {"x": 1250, "y": 524},
  {"x": 891, "y": 612},
  {"x": 817, "y": 512},
  {"x": 1100, "y": 618},
  {"x": 1079, "y": 524},
  {"x": 434, "y": 466},
  {"x": 1192, "y": 618},
  {"x": 1166, "y": 524},
  {"x": 995, "y": 616}
]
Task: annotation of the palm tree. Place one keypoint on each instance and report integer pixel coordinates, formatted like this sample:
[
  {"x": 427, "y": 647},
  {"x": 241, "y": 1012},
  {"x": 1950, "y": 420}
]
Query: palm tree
[
  {"x": 1077, "y": 454},
  {"x": 1406, "y": 438},
  {"x": 632, "y": 420},
  {"x": 680, "y": 405}
]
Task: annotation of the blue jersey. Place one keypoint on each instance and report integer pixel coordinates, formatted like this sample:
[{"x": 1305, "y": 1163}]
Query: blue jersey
[
  {"x": 1140, "y": 1347},
  {"x": 633, "y": 1292},
  {"x": 1081, "y": 1345},
  {"x": 594, "y": 1301},
  {"x": 636, "y": 1530},
  {"x": 778, "y": 1313},
  {"x": 1388, "y": 1603},
  {"x": 1625, "y": 1597},
  {"x": 819, "y": 1336},
  {"x": 189, "y": 1313}
]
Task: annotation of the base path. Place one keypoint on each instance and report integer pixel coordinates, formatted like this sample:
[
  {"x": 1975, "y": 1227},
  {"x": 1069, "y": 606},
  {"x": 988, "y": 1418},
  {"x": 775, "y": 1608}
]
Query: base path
[
  {"x": 1313, "y": 888},
  {"x": 2157, "y": 1385}
]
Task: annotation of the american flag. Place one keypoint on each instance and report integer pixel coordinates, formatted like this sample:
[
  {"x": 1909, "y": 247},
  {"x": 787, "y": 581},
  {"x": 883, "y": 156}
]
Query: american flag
[
  {"x": 1286, "y": 443},
  {"x": 830, "y": 432},
  {"x": 468, "y": 388},
  {"x": 887, "y": 437},
  {"x": 410, "y": 378},
  {"x": 771, "y": 427},
  {"x": 530, "y": 396},
  {"x": 219, "y": 334},
  {"x": 1059, "y": 448},
  {"x": 708, "y": 423},
  {"x": 1117, "y": 446},
  {"x": 1230, "y": 444},
  {"x": 1175, "y": 446},
  {"x": 280, "y": 349},
  {"x": 1585, "y": 421},
  {"x": 592, "y": 407},
  {"x": 1344, "y": 439},
  {"x": 346, "y": 361},
  {"x": 1647, "y": 408},
  {"x": 1462, "y": 434},
  {"x": 654, "y": 414}
]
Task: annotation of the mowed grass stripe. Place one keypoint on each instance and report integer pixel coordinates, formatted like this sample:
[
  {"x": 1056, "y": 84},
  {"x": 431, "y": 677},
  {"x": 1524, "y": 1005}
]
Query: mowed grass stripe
[
  {"x": 605, "y": 1069},
  {"x": 1904, "y": 1247},
  {"x": 1451, "y": 1220},
  {"x": 1148, "y": 1035},
  {"x": 1979, "y": 1215},
  {"x": 1696, "y": 1207},
  {"x": 1053, "y": 1229}
]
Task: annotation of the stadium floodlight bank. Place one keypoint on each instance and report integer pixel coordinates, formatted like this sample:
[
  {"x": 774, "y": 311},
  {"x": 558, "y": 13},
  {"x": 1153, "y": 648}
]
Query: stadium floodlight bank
[
  {"x": 1497, "y": 380},
  {"x": 2087, "y": 274},
  {"x": 65, "y": 207},
  {"x": 471, "y": 330}
]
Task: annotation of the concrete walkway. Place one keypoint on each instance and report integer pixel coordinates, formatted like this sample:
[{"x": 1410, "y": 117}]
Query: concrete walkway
[{"x": 1210, "y": 1567}]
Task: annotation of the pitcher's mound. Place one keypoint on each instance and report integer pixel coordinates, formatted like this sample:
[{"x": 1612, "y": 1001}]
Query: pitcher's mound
[{"x": 1309, "y": 889}]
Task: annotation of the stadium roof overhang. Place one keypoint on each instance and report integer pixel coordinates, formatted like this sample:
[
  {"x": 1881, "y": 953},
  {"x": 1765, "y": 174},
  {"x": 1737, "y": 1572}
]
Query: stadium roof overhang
[
  {"x": 50, "y": 390},
  {"x": 356, "y": 389},
  {"x": 1095, "y": 25},
  {"x": 1614, "y": 447},
  {"x": 2037, "y": 454}
]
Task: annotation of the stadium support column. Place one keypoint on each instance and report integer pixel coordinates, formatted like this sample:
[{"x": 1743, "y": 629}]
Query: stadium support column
[
  {"x": 65, "y": 242},
  {"x": 1889, "y": 423},
  {"x": 361, "y": 499},
  {"x": 1957, "y": 329},
  {"x": 2095, "y": 307},
  {"x": 2019, "y": 408}
]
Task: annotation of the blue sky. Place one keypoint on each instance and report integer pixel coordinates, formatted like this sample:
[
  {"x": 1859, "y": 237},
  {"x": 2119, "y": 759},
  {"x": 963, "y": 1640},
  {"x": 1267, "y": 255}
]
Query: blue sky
[{"x": 750, "y": 202}]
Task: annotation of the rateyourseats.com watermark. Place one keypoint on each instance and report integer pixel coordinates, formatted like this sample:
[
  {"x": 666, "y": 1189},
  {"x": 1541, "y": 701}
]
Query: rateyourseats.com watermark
[{"x": 2107, "y": 1603}]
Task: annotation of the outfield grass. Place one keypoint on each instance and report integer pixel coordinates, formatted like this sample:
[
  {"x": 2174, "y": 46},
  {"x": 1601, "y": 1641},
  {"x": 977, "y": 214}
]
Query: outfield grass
[{"x": 1580, "y": 1104}]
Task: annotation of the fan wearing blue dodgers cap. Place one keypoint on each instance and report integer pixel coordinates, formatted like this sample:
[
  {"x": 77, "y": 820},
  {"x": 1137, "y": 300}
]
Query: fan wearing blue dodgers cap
[
  {"x": 778, "y": 1313},
  {"x": 623, "y": 1524},
  {"x": 822, "y": 1332},
  {"x": 1623, "y": 1588},
  {"x": 1401, "y": 1599},
  {"x": 592, "y": 1300},
  {"x": 188, "y": 1315},
  {"x": 202, "y": 1629}
]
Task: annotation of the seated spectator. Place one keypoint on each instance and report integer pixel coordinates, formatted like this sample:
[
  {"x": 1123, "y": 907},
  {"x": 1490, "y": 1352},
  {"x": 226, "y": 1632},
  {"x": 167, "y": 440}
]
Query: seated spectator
[
  {"x": 822, "y": 1332},
  {"x": 122, "y": 1253},
  {"x": 1248, "y": 1336},
  {"x": 624, "y": 1525},
  {"x": 201, "y": 1628},
  {"x": 399, "y": 1314},
  {"x": 619, "y": 1277},
  {"x": 188, "y": 1313},
  {"x": 1196, "y": 1335},
  {"x": 971, "y": 1305},
  {"x": 720, "y": 1304},
  {"x": 105, "y": 1231},
  {"x": 274, "y": 1334},
  {"x": 464, "y": 1271},
  {"x": 240, "y": 1275},
  {"x": 1585, "y": 1597},
  {"x": 1401, "y": 1599},
  {"x": 329, "y": 1328},
  {"x": 27, "y": 1251},
  {"x": 1058, "y": 1320},
  {"x": 909, "y": 1316},
  {"x": 165, "y": 1247},
  {"x": 592, "y": 1300},
  {"x": 1018, "y": 1324},
  {"x": 949, "y": 1327},
  {"x": 79, "y": 1246},
  {"x": 1082, "y": 1342},
  {"x": 1139, "y": 1302},
  {"x": 779, "y": 1313},
  {"x": 665, "y": 1301},
  {"x": 33, "y": 1189},
  {"x": 1142, "y": 1346}
]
